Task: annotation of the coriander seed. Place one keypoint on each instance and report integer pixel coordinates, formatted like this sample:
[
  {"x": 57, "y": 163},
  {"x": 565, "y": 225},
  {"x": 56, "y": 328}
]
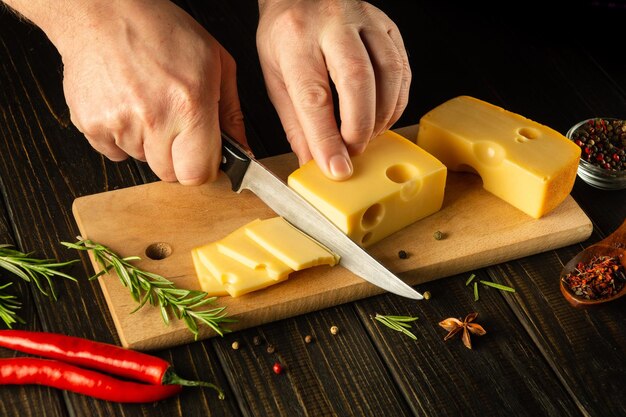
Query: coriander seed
[
  {"x": 308, "y": 339},
  {"x": 235, "y": 345},
  {"x": 438, "y": 235},
  {"x": 271, "y": 349},
  {"x": 426, "y": 295},
  {"x": 334, "y": 330}
]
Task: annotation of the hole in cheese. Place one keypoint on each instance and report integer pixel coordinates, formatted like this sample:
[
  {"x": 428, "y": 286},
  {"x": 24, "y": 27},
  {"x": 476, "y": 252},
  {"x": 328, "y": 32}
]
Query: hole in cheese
[
  {"x": 158, "y": 251},
  {"x": 527, "y": 133},
  {"x": 372, "y": 216},
  {"x": 489, "y": 153},
  {"x": 401, "y": 173}
]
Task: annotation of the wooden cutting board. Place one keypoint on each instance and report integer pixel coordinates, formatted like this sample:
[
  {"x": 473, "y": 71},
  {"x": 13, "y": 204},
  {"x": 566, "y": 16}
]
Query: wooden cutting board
[{"x": 166, "y": 220}]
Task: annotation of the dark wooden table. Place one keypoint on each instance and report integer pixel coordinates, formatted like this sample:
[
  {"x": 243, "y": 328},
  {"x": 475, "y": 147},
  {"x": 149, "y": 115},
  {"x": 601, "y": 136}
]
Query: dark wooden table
[{"x": 539, "y": 357}]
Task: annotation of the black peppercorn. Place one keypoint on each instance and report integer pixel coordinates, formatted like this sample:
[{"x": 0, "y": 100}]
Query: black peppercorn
[{"x": 402, "y": 254}]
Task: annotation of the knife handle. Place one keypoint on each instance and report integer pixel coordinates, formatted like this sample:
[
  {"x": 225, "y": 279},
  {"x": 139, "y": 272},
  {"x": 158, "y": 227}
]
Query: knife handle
[{"x": 235, "y": 161}]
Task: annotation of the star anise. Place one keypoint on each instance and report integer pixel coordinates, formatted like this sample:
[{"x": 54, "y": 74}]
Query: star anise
[{"x": 453, "y": 326}]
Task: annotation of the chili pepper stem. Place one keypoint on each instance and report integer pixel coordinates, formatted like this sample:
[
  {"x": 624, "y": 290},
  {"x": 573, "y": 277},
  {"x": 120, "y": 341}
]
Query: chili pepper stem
[{"x": 171, "y": 378}]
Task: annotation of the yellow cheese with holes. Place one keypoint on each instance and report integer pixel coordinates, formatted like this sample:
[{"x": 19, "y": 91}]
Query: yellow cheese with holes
[
  {"x": 236, "y": 278},
  {"x": 240, "y": 247},
  {"x": 394, "y": 183},
  {"x": 527, "y": 164},
  {"x": 289, "y": 244}
]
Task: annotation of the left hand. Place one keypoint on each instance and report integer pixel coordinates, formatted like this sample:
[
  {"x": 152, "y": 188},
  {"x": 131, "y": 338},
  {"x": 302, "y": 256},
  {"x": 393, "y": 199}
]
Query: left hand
[{"x": 301, "y": 43}]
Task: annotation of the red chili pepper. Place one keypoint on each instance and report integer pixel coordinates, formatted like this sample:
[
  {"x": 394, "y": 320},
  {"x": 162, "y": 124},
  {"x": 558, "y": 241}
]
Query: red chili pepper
[
  {"x": 57, "y": 374},
  {"x": 97, "y": 355}
]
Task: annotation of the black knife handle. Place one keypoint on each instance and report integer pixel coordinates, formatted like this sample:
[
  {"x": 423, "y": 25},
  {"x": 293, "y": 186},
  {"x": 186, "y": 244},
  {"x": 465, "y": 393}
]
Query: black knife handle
[{"x": 235, "y": 161}]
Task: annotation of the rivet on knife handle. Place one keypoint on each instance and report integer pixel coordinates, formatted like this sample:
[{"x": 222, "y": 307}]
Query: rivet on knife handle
[{"x": 235, "y": 161}]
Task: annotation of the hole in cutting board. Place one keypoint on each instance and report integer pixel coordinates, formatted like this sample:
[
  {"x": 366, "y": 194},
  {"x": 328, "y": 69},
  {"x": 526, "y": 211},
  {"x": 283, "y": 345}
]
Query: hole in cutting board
[{"x": 158, "y": 251}]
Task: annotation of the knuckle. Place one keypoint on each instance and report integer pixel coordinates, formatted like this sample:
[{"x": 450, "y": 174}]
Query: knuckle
[
  {"x": 355, "y": 71},
  {"x": 313, "y": 95},
  {"x": 394, "y": 65},
  {"x": 293, "y": 21}
]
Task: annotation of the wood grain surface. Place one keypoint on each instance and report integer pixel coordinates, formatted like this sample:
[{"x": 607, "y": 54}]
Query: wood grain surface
[
  {"x": 540, "y": 357},
  {"x": 480, "y": 230}
]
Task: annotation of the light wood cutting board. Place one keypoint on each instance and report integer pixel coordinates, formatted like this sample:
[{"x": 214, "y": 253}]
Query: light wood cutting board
[{"x": 480, "y": 230}]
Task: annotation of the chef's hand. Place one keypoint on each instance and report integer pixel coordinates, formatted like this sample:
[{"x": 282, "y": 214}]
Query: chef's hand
[
  {"x": 301, "y": 44},
  {"x": 143, "y": 78}
]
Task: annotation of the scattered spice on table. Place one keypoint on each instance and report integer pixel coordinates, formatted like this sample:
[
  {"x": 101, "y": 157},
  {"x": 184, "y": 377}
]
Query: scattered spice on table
[
  {"x": 426, "y": 295},
  {"x": 308, "y": 339},
  {"x": 402, "y": 254},
  {"x": 235, "y": 345},
  {"x": 470, "y": 279},
  {"x": 397, "y": 323},
  {"x": 256, "y": 340},
  {"x": 475, "y": 291},
  {"x": 438, "y": 235},
  {"x": 334, "y": 330},
  {"x": 454, "y": 326},
  {"x": 72, "y": 363},
  {"x": 270, "y": 348},
  {"x": 599, "y": 278},
  {"x": 603, "y": 143}
]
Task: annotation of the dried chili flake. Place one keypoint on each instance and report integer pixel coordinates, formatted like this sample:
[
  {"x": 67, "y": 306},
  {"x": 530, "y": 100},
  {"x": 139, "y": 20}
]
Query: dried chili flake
[{"x": 601, "y": 277}]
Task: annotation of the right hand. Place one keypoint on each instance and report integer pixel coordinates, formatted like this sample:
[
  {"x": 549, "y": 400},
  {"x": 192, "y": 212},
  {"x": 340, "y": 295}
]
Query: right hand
[{"x": 143, "y": 78}]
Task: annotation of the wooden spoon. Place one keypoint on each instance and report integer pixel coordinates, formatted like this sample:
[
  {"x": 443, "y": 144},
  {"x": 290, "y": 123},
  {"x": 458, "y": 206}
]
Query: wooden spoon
[{"x": 613, "y": 245}]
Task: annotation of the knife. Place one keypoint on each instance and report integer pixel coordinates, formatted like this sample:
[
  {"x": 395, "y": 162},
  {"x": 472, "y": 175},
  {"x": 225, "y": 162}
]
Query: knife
[{"x": 245, "y": 172}]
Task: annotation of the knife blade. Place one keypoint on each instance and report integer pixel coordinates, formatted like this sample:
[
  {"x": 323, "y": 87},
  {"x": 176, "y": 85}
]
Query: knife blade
[{"x": 245, "y": 172}]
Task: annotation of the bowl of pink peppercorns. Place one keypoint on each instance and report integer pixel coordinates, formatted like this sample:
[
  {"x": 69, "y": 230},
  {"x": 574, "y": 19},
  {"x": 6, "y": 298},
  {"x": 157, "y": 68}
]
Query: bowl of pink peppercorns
[{"x": 602, "y": 141}]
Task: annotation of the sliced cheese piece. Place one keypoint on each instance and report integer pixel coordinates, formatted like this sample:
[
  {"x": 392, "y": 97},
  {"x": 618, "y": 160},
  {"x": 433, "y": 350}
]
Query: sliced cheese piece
[
  {"x": 529, "y": 165},
  {"x": 289, "y": 244},
  {"x": 240, "y": 247},
  {"x": 208, "y": 283},
  {"x": 394, "y": 183},
  {"x": 236, "y": 277}
]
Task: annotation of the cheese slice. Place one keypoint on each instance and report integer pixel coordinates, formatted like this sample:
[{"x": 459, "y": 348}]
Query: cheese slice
[
  {"x": 289, "y": 244},
  {"x": 208, "y": 283},
  {"x": 236, "y": 278},
  {"x": 240, "y": 247},
  {"x": 394, "y": 183},
  {"x": 529, "y": 165}
]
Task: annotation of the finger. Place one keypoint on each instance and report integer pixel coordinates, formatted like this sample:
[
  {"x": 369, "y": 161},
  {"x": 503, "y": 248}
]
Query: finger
[
  {"x": 309, "y": 90},
  {"x": 128, "y": 136},
  {"x": 405, "y": 85},
  {"x": 389, "y": 68},
  {"x": 288, "y": 118},
  {"x": 351, "y": 70},
  {"x": 105, "y": 145},
  {"x": 158, "y": 151},
  {"x": 196, "y": 151},
  {"x": 230, "y": 115}
]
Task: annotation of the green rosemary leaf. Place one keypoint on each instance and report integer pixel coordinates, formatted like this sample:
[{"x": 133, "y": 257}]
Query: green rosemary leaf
[
  {"x": 498, "y": 286},
  {"x": 397, "y": 323},
  {"x": 147, "y": 287},
  {"x": 475, "y": 291},
  {"x": 470, "y": 279}
]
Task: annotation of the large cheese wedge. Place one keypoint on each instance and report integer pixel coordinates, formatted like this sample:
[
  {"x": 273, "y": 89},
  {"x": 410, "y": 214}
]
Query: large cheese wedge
[
  {"x": 527, "y": 164},
  {"x": 290, "y": 245},
  {"x": 236, "y": 278},
  {"x": 394, "y": 183},
  {"x": 240, "y": 247}
]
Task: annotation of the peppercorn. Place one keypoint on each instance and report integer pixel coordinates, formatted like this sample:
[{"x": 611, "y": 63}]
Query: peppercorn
[
  {"x": 602, "y": 142},
  {"x": 308, "y": 339},
  {"x": 334, "y": 330},
  {"x": 278, "y": 368},
  {"x": 271, "y": 349},
  {"x": 426, "y": 295},
  {"x": 402, "y": 254},
  {"x": 438, "y": 235},
  {"x": 235, "y": 345}
]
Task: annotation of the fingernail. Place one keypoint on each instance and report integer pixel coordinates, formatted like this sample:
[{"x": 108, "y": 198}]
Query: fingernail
[{"x": 340, "y": 167}]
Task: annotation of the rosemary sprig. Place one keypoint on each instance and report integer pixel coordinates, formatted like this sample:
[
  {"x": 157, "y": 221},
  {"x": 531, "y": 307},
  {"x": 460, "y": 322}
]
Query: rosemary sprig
[
  {"x": 34, "y": 270},
  {"x": 397, "y": 323},
  {"x": 147, "y": 287}
]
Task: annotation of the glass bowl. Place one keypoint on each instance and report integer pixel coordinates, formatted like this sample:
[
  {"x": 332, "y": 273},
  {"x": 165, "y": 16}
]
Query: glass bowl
[{"x": 599, "y": 144}]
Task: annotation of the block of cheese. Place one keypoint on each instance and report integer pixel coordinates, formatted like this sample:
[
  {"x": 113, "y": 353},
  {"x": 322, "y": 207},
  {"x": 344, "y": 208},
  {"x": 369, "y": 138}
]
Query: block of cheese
[
  {"x": 253, "y": 257},
  {"x": 240, "y": 247},
  {"x": 290, "y": 245},
  {"x": 529, "y": 165},
  {"x": 394, "y": 183},
  {"x": 236, "y": 278}
]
